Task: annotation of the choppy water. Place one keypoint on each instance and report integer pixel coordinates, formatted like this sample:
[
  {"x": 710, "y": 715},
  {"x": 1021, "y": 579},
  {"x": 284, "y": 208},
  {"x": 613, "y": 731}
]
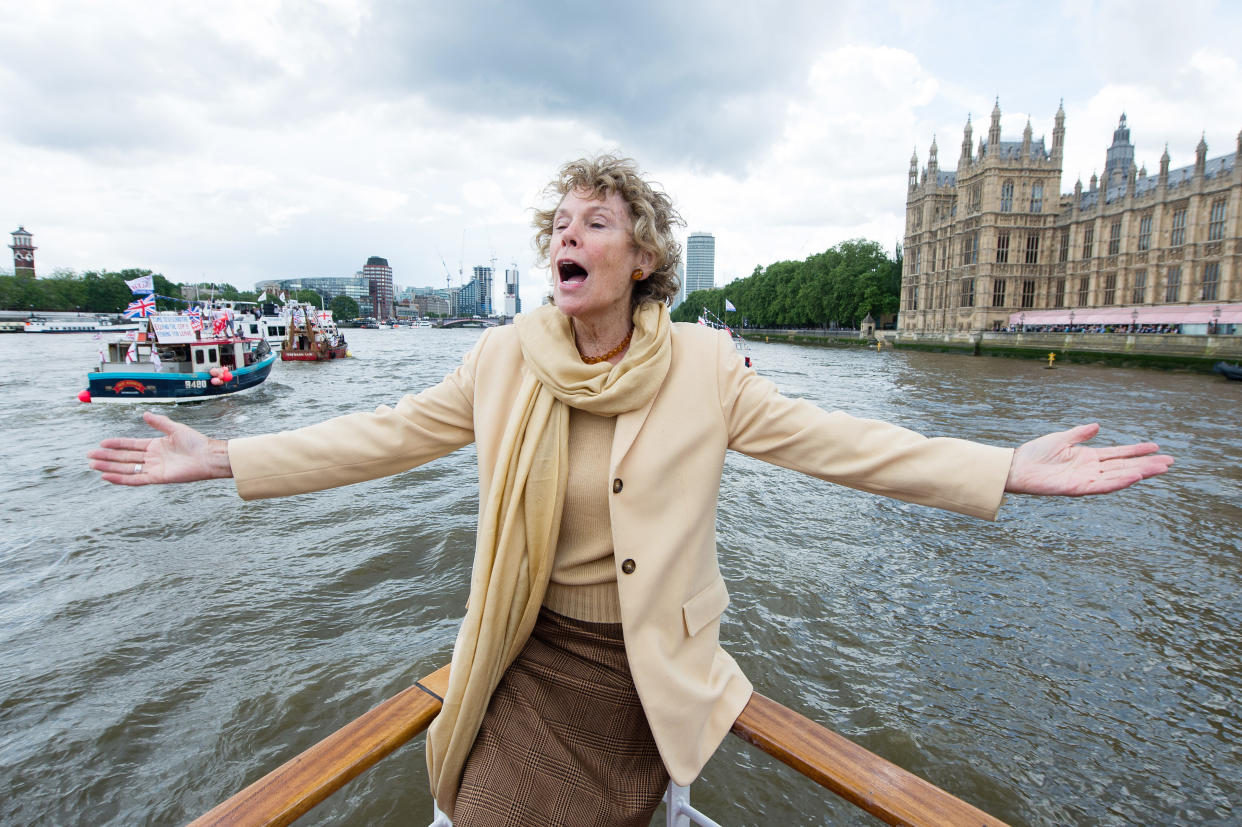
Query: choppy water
[{"x": 1076, "y": 662}]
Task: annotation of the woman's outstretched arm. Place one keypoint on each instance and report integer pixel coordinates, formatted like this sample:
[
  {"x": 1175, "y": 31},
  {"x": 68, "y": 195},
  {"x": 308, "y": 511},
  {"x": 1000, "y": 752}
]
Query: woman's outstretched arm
[{"x": 182, "y": 454}]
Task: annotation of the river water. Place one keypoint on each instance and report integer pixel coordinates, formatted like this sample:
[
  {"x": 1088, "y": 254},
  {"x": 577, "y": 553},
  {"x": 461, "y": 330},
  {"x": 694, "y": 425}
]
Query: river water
[{"x": 1075, "y": 662}]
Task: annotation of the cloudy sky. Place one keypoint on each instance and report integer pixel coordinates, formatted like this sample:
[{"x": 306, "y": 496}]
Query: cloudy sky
[{"x": 237, "y": 140}]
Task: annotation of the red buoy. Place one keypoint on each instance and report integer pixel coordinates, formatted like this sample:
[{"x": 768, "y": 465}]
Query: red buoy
[
  {"x": 226, "y": 375},
  {"x": 84, "y": 396}
]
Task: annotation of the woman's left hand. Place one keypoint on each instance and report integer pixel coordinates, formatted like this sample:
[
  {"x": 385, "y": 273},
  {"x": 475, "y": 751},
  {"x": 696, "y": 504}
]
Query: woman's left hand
[{"x": 1058, "y": 464}]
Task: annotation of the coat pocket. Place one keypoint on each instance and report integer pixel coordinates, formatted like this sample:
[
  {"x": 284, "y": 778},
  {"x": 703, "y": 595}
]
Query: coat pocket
[{"x": 705, "y": 606}]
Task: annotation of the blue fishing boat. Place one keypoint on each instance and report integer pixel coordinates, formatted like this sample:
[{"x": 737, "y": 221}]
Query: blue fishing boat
[{"x": 169, "y": 360}]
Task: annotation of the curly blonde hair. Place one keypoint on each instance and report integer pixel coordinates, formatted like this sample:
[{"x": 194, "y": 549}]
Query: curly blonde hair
[{"x": 651, "y": 213}]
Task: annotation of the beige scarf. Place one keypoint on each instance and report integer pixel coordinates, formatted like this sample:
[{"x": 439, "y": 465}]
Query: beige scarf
[{"x": 519, "y": 523}]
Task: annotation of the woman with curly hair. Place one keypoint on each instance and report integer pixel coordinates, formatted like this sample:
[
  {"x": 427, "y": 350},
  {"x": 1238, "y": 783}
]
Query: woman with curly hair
[{"x": 588, "y": 670}]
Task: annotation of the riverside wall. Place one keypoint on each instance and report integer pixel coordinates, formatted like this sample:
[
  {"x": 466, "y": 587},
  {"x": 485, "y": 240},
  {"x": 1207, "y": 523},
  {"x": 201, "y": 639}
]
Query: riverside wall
[{"x": 1155, "y": 350}]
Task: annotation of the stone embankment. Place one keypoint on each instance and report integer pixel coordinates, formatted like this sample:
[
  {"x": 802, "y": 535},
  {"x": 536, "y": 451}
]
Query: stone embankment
[{"x": 1157, "y": 350}]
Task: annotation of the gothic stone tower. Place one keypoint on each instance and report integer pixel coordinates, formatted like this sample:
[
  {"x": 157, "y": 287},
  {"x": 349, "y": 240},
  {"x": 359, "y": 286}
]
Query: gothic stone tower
[
  {"x": 977, "y": 237},
  {"x": 23, "y": 253}
]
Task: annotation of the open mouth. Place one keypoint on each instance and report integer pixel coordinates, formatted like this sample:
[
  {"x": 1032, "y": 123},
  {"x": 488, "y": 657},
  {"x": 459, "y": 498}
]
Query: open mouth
[{"x": 571, "y": 271}]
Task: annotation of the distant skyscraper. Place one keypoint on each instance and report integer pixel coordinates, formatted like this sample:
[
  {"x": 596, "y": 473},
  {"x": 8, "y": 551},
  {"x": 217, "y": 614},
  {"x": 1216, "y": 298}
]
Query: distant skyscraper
[
  {"x": 483, "y": 276},
  {"x": 379, "y": 278},
  {"x": 513, "y": 301},
  {"x": 700, "y": 262}
]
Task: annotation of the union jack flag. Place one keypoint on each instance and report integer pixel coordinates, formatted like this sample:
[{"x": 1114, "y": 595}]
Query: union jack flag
[
  {"x": 196, "y": 318},
  {"x": 141, "y": 308}
]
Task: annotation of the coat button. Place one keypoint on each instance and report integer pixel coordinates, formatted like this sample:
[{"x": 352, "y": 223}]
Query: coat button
[
  {"x": 628, "y": 565},
  {"x": 616, "y": 486}
]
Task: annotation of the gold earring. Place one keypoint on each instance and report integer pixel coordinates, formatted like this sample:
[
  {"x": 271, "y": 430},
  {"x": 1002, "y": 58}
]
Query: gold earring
[{"x": 637, "y": 275}]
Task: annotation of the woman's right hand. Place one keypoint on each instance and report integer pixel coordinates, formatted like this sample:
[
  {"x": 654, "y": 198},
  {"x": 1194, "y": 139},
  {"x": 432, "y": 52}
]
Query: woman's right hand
[{"x": 181, "y": 455}]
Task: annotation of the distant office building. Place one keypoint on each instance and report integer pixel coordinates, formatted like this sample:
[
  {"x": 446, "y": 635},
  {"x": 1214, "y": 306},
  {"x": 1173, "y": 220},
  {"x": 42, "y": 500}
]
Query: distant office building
[
  {"x": 513, "y": 301},
  {"x": 23, "y": 253},
  {"x": 475, "y": 298},
  {"x": 996, "y": 239},
  {"x": 700, "y": 262},
  {"x": 379, "y": 286},
  {"x": 431, "y": 301}
]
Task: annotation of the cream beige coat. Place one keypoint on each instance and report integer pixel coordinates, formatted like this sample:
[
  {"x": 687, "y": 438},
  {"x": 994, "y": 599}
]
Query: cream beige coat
[{"x": 664, "y": 475}]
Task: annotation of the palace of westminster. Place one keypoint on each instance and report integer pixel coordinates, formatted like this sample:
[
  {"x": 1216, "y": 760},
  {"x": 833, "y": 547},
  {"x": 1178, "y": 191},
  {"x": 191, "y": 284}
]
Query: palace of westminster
[{"x": 996, "y": 237}]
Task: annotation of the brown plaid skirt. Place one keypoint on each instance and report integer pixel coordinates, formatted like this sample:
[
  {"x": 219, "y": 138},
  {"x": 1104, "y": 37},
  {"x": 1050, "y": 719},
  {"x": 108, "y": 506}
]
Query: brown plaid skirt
[{"x": 564, "y": 739}]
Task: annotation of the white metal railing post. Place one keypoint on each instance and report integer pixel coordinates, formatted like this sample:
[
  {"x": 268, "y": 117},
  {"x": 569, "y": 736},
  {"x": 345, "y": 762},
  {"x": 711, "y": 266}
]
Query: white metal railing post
[{"x": 678, "y": 811}]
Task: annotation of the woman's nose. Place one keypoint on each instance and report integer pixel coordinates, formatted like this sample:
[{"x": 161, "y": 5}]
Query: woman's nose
[{"x": 569, "y": 235}]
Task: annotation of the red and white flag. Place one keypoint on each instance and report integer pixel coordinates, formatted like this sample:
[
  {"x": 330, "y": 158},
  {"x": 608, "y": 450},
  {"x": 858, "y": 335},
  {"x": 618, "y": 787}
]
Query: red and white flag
[
  {"x": 131, "y": 355},
  {"x": 141, "y": 308}
]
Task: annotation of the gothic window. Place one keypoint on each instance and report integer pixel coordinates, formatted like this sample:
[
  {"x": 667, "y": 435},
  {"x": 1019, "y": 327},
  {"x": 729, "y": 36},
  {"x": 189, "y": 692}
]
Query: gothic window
[
  {"x": 1007, "y": 196},
  {"x": 1002, "y": 247},
  {"x": 1139, "y": 294},
  {"x": 944, "y": 255},
  {"x": 1211, "y": 281},
  {"x": 998, "y": 292},
  {"x": 1032, "y": 248},
  {"x": 1173, "y": 286},
  {"x": 1114, "y": 238},
  {"x": 914, "y": 297},
  {"x": 1110, "y": 289},
  {"x": 968, "y": 293},
  {"x": 970, "y": 248},
  {"x": 1058, "y": 293},
  {"x": 1088, "y": 242},
  {"x": 1084, "y": 291},
  {"x": 1037, "y": 197},
  {"x": 1178, "y": 237},
  {"x": 1063, "y": 255},
  {"x": 1216, "y": 224},
  {"x": 976, "y": 198},
  {"x": 918, "y": 261},
  {"x": 1144, "y": 239},
  {"x": 1028, "y": 292}
]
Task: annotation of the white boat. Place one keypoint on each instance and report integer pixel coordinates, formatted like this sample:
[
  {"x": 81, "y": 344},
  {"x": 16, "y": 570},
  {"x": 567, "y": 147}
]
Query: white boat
[
  {"x": 710, "y": 319},
  {"x": 92, "y": 324}
]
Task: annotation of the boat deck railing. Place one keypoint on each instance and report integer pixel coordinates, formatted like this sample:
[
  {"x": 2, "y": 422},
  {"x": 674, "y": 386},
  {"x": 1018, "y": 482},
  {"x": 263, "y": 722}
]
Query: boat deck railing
[{"x": 861, "y": 777}]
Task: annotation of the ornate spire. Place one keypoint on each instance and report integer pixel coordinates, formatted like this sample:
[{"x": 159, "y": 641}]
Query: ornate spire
[
  {"x": 1201, "y": 155},
  {"x": 994, "y": 129},
  {"x": 967, "y": 143},
  {"x": 1058, "y": 131}
]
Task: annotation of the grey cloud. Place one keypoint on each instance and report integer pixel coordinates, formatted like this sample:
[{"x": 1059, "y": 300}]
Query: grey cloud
[
  {"x": 693, "y": 83},
  {"x": 110, "y": 90}
]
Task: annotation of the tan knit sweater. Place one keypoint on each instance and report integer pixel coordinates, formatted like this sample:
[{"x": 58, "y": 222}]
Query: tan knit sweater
[{"x": 584, "y": 577}]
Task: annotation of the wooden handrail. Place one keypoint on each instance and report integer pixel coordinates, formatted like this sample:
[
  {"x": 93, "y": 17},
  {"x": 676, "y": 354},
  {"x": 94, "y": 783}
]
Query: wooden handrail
[
  {"x": 291, "y": 790},
  {"x": 859, "y": 776},
  {"x": 843, "y": 767}
]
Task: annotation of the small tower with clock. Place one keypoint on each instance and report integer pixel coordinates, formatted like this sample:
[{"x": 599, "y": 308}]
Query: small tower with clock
[{"x": 23, "y": 253}]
